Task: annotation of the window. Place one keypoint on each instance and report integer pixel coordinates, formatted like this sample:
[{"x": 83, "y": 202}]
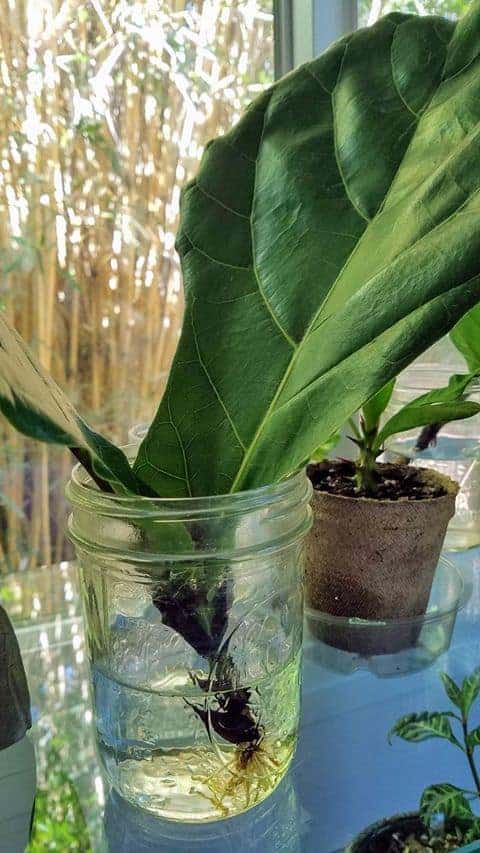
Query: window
[{"x": 107, "y": 106}]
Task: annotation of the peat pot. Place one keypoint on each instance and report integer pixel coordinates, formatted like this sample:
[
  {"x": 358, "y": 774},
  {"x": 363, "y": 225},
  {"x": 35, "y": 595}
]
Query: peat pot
[
  {"x": 370, "y": 559},
  {"x": 378, "y": 837},
  {"x": 193, "y": 611}
]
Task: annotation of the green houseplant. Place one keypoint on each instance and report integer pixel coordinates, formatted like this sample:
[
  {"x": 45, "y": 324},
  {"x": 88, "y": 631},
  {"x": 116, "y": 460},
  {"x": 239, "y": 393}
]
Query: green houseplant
[
  {"x": 448, "y": 817},
  {"x": 320, "y": 256},
  {"x": 379, "y": 528}
]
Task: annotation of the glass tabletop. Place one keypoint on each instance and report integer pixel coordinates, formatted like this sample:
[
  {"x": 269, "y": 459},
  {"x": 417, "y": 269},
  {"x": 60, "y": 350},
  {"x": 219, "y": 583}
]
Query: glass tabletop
[{"x": 345, "y": 774}]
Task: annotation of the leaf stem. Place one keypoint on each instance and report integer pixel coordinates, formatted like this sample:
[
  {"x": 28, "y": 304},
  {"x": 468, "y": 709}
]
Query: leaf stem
[
  {"x": 469, "y": 754},
  {"x": 84, "y": 458}
]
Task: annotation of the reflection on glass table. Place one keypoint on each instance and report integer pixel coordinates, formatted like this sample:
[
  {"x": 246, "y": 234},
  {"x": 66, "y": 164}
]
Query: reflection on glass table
[{"x": 344, "y": 777}]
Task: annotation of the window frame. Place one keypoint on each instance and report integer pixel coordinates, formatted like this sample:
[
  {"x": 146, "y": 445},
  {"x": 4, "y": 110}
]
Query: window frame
[{"x": 304, "y": 28}]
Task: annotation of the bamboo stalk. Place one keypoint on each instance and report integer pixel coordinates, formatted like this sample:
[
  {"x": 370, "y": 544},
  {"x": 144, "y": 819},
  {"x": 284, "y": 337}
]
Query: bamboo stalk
[{"x": 61, "y": 175}]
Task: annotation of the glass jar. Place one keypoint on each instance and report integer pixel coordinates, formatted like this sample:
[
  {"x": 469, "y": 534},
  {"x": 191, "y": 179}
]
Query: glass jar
[
  {"x": 193, "y": 612},
  {"x": 137, "y": 433},
  {"x": 455, "y": 451}
]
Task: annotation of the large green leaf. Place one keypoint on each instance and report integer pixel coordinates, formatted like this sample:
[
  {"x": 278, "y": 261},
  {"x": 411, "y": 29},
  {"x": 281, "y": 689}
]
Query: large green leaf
[
  {"x": 447, "y": 800},
  {"x": 326, "y": 241},
  {"x": 441, "y": 405},
  {"x": 419, "y": 727},
  {"x": 466, "y": 337},
  {"x": 36, "y": 406}
]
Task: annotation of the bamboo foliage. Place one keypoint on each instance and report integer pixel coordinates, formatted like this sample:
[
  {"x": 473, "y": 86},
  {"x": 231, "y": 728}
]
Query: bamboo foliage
[
  {"x": 370, "y": 11},
  {"x": 106, "y": 106}
]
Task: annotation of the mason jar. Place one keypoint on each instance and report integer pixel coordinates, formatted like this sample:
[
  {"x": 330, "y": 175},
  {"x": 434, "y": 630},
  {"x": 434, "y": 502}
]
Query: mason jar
[
  {"x": 454, "y": 452},
  {"x": 193, "y": 614}
]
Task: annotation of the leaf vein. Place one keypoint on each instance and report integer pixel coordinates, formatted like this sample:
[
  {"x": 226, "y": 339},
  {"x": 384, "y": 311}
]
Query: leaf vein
[
  {"x": 214, "y": 387},
  {"x": 182, "y": 447},
  {"x": 217, "y": 200},
  {"x": 215, "y": 260}
]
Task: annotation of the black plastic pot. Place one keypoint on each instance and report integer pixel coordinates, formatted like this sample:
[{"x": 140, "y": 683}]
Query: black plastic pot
[
  {"x": 370, "y": 839},
  {"x": 376, "y": 838}
]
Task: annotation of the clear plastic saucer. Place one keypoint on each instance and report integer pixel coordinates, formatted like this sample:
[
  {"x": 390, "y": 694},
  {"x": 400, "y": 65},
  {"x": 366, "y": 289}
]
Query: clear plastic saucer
[{"x": 394, "y": 646}]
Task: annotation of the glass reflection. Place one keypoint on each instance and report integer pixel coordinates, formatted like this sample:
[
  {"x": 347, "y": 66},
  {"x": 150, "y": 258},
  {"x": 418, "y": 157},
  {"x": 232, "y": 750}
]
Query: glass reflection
[{"x": 274, "y": 825}]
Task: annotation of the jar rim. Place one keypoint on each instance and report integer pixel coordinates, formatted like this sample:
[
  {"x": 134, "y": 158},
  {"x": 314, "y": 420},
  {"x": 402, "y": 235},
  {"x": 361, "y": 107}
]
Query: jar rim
[{"x": 80, "y": 493}]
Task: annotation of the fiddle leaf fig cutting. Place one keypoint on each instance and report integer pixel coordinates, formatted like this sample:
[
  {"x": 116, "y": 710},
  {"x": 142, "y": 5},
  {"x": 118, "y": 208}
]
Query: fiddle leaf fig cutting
[{"x": 327, "y": 240}]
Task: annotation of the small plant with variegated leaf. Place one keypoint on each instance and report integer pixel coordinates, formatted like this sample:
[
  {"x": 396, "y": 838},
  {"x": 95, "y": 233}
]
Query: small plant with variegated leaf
[{"x": 457, "y": 808}]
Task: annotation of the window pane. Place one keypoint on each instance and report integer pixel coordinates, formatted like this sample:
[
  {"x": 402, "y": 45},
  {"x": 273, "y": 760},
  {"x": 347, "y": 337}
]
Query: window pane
[
  {"x": 106, "y": 109},
  {"x": 370, "y": 10}
]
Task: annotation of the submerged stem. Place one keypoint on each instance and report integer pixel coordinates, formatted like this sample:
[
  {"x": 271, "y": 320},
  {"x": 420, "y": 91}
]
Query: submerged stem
[{"x": 234, "y": 720}]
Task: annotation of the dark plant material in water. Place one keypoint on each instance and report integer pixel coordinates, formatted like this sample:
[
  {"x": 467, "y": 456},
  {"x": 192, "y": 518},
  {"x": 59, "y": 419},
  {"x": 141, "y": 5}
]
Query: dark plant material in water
[
  {"x": 428, "y": 436},
  {"x": 234, "y": 720}
]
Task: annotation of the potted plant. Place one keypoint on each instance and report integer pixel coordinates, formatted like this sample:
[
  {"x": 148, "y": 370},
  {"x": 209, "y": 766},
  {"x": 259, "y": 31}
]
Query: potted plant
[
  {"x": 378, "y": 528},
  {"x": 449, "y": 817},
  {"x": 312, "y": 277}
]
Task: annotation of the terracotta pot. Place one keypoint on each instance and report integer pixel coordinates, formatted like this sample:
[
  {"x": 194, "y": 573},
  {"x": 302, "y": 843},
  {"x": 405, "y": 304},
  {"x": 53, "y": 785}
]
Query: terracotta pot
[{"x": 374, "y": 560}]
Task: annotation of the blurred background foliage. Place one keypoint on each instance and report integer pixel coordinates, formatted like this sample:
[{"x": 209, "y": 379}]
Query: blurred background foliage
[
  {"x": 370, "y": 10},
  {"x": 106, "y": 106}
]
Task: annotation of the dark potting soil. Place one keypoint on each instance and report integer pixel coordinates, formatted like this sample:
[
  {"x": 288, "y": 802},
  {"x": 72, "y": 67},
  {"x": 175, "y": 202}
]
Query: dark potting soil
[
  {"x": 408, "y": 835},
  {"x": 394, "y": 482}
]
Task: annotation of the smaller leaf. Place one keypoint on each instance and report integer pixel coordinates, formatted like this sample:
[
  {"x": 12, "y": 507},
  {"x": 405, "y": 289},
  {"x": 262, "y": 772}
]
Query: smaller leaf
[
  {"x": 473, "y": 738},
  {"x": 36, "y": 407},
  {"x": 466, "y": 337},
  {"x": 419, "y": 727},
  {"x": 452, "y": 690},
  {"x": 374, "y": 408},
  {"x": 441, "y": 405},
  {"x": 446, "y": 800},
  {"x": 470, "y": 690}
]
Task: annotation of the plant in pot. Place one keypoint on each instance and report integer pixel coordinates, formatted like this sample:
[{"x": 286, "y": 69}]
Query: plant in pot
[
  {"x": 319, "y": 258},
  {"x": 379, "y": 527},
  {"x": 449, "y": 816}
]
